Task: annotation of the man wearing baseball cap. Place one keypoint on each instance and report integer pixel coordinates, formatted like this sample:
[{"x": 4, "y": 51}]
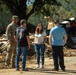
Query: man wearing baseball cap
[{"x": 57, "y": 39}]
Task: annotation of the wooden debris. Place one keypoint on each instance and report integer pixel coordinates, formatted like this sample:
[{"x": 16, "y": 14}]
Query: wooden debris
[{"x": 4, "y": 44}]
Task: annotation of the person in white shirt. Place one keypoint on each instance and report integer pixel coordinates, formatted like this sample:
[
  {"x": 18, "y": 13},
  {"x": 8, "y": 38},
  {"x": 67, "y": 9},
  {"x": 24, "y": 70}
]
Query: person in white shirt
[{"x": 39, "y": 45}]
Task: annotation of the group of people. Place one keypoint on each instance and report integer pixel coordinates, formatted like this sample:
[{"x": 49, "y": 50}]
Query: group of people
[{"x": 19, "y": 43}]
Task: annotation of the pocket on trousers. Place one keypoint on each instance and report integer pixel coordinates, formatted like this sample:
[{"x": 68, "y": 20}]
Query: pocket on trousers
[
  {"x": 43, "y": 47},
  {"x": 35, "y": 48}
]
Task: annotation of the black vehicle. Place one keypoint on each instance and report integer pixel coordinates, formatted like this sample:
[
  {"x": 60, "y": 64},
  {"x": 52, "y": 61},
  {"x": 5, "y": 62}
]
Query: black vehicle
[{"x": 70, "y": 27}]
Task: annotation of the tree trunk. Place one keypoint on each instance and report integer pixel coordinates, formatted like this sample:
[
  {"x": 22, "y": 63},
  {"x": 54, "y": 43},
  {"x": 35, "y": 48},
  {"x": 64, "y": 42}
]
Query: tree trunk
[{"x": 22, "y": 15}]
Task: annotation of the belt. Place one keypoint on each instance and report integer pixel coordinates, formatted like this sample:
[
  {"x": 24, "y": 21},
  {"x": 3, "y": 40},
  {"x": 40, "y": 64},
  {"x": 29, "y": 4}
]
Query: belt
[{"x": 39, "y": 43}]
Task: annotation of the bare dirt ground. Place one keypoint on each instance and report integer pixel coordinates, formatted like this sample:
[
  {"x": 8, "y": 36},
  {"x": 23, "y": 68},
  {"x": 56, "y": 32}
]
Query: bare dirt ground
[{"x": 70, "y": 63}]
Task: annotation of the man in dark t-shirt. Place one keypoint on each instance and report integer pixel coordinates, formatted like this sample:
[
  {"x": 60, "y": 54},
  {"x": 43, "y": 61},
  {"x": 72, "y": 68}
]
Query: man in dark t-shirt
[{"x": 23, "y": 43}]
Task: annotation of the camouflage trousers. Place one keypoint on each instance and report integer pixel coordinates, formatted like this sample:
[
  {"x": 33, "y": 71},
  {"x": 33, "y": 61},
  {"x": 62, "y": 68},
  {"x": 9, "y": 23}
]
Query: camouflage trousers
[{"x": 11, "y": 54}]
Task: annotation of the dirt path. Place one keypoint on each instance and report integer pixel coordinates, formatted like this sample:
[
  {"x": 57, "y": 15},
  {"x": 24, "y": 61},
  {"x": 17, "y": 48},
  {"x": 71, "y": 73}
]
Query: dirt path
[{"x": 70, "y": 63}]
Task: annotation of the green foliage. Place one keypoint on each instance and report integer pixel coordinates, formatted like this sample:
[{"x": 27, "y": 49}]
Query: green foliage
[
  {"x": 35, "y": 19},
  {"x": 5, "y": 16},
  {"x": 19, "y": 7},
  {"x": 56, "y": 9},
  {"x": 67, "y": 9}
]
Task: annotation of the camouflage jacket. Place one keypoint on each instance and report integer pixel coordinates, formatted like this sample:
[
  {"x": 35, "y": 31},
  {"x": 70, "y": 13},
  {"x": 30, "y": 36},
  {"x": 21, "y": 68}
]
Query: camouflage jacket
[{"x": 10, "y": 31}]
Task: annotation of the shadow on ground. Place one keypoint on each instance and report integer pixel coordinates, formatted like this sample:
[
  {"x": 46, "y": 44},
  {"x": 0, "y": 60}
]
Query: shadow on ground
[{"x": 50, "y": 71}]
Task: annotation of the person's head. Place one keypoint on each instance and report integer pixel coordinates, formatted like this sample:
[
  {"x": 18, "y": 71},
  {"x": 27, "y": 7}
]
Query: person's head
[
  {"x": 23, "y": 23},
  {"x": 15, "y": 19},
  {"x": 39, "y": 29},
  {"x": 56, "y": 22}
]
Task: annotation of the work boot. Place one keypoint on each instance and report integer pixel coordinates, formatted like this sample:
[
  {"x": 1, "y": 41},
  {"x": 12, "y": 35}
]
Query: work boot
[
  {"x": 55, "y": 70},
  {"x": 12, "y": 66},
  {"x": 24, "y": 69},
  {"x": 17, "y": 69},
  {"x": 7, "y": 64}
]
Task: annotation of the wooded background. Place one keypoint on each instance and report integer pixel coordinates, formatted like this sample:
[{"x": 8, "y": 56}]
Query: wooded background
[{"x": 34, "y": 11}]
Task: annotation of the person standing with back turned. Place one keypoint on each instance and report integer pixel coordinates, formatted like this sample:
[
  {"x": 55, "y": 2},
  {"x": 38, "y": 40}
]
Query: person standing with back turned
[
  {"x": 57, "y": 40},
  {"x": 11, "y": 49}
]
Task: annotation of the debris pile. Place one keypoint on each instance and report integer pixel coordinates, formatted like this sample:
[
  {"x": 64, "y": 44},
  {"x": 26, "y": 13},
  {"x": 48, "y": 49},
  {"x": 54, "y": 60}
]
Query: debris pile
[{"x": 31, "y": 52}]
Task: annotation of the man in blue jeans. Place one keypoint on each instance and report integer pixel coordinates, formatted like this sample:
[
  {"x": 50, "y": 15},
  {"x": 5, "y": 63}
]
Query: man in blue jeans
[
  {"x": 57, "y": 40},
  {"x": 23, "y": 43}
]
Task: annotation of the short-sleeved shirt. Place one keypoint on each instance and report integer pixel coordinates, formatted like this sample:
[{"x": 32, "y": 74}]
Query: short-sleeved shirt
[
  {"x": 57, "y": 35},
  {"x": 21, "y": 33},
  {"x": 39, "y": 38}
]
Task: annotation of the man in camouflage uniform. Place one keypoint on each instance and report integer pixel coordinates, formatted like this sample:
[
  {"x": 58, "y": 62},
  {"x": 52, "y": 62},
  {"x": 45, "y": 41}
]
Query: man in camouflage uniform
[{"x": 11, "y": 49}]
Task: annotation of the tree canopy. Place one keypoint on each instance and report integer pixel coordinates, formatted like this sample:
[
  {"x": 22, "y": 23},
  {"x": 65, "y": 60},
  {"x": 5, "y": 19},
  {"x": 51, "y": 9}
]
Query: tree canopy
[
  {"x": 35, "y": 10},
  {"x": 20, "y": 7}
]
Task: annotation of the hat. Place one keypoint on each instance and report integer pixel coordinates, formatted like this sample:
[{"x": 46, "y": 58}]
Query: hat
[
  {"x": 14, "y": 17},
  {"x": 22, "y": 21},
  {"x": 57, "y": 21}
]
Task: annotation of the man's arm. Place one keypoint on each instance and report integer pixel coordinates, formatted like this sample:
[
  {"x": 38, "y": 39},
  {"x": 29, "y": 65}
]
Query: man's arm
[
  {"x": 15, "y": 38},
  {"x": 50, "y": 40},
  {"x": 28, "y": 41},
  {"x": 65, "y": 39},
  {"x": 8, "y": 33}
]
